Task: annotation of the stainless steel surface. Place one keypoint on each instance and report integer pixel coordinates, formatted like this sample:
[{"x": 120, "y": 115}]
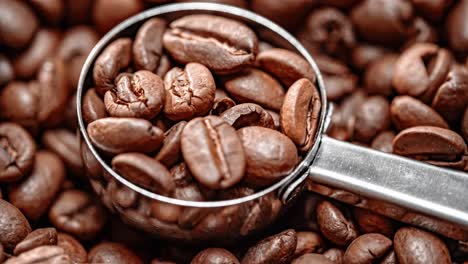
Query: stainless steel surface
[{"x": 415, "y": 185}]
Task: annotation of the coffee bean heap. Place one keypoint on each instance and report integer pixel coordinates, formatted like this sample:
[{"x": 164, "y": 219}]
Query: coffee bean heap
[{"x": 396, "y": 70}]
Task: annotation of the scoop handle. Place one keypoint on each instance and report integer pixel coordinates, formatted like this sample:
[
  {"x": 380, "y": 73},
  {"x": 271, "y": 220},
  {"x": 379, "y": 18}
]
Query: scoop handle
[{"x": 427, "y": 189}]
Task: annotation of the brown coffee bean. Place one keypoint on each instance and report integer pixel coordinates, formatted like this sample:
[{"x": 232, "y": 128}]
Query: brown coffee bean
[
  {"x": 407, "y": 112},
  {"x": 144, "y": 171},
  {"x": 335, "y": 255},
  {"x": 110, "y": 252},
  {"x": 42, "y": 255},
  {"x": 370, "y": 222},
  {"x": 107, "y": 14},
  {"x": 312, "y": 258},
  {"x": 276, "y": 119},
  {"x": 222, "y": 44},
  {"x": 372, "y": 117},
  {"x": 37, "y": 238},
  {"x": 364, "y": 54},
  {"x": 278, "y": 248},
  {"x": 119, "y": 135},
  {"x": 432, "y": 10},
  {"x": 165, "y": 212},
  {"x": 14, "y": 227},
  {"x": 93, "y": 106},
  {"x": 148, "y": 46},
  {"x": 456, "y": 27},
  {"x": 50, "y": 10},
  {"x": 17, "y": 151},
  {"x": 72, "y": 248},
  {"x": 139, "y": 95},
  {"x": 451, "y": 98},
  {"x": 7, "y": 73},
  {"x": 255, "y": 86},
  {"x": 420, "y": 70},
  {"x": 421, "y": 32},
  {"x": 213, "y": 152},
  {"x": 34, "y": 195},
  {"x": 415, "y": 246},
  {"x": 190, "y": 92},
  {"x": 220, "y": 105},
  {"x": 18, "y": 23},
  {"x": 70, "y": 115},
  {"x": 248, "y": 114},
  {"x": 43, "y": 45},
  {"x": 339, "y": 81},
  {"x": 285, "y": 65},
  {"x": 379, "y": 74},
  {"x": 334, "y": 225},
  {"x": 170, "y": 150},
  {"x": 384, "y": 141},
  {"x": 77, "y": 213},
  {"x": 91, "y": 165},
  {"x": 367, "y": 249},
  {"x": 300, "y": 113},
  {"x": 308, "y": 242},
  {"x": 287, "y": 13},
  {"x": 215, "y": 256},
  {"x": 19, "y": 104},
  {"x": 66, "y": 145},
  {"x": 114, "y": 58},
  {"x": 270, "y": 155},
  {"x": 464, "y": 125},
  {"x": 390, "y": 258}
]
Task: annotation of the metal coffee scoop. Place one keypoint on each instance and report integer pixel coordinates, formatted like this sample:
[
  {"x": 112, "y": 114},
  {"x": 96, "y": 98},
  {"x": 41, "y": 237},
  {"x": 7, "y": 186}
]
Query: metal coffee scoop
[{"x": 438, "y": 192}]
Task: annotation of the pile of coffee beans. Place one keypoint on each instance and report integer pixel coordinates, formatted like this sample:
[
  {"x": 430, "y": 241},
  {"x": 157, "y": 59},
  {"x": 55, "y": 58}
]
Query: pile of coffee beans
[{"x": 396, "y": 70}]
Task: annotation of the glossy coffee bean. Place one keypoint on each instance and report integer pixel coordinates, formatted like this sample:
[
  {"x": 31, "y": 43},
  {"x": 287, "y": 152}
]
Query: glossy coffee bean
[
  {"x": 169, "y": 153},
  {"x": 77, "y": 213},
  {"x": 72, "y": 248},
  {"x": 370, "y": 222},
  {"x": 308, "y": 242},
  {"x": 7, "y": 73},
  {"x": 335, "y": 255},
  {"x": 220, "y": 105},
  {"x": 190, "y": 92},
  {"x": 42, "y": 255},
  {"x": 287, "y": 13},
  {"x": 407, "y": 112},
  {"x": 276, "y": 119},
  {"x": 139, "y": 95},
  {"x": 367, "y": 249},
  {"x": 383, "y": 141},
  {"x": 379, "y": 75},
  {"x": 17, "y": 152},
  {"x": 14, "y": 227},
  {"x": 110, "y": 252},
  {"x": 19, "y": 104},
  {"x": 415, "y": 246},
  {"x": 37, "y": 238},
  {"x": 34, "y": 194},
  {"x": 300, "y": 113},
  {"x": 144, "y": 171},
  {"x": 372, "y": 117},
  {"x": 119, "y": 135},
  {"x": 338, "y": 79},
  {"x": 270, "y": 155},
  {"x": 256, "y": 86},
  {"x": 107, "y": 14},
  {"x": 113, "y": 59},
  {"x": 456, "y": 27},
  {"x": 148, "y": 46},
  {"x": 312, "y": 258},
  {"x": 432, "y": 10},
  {"x": 66, "y": 145},
  {"x": 213, "y": 152},
  {"x": 18, "y": 23},
  {"x": 52, "y": 11},
  {"x": 43, "y": 45},
  {"x": 334, "y": 225},
  {"x": 212, "y": 41},
  {"x": 248, "y": 114},
  {"x": 93, "y": 107},
  {"x": 364, "y": 54},
  {"x": 278, "y": 248},
  {"x": 214, "y": 256},
  {"x": 285, "y": 65}
]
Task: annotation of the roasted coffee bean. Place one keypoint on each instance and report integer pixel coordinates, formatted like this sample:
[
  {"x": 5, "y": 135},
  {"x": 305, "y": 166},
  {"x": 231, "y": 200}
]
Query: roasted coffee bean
[
  {"x": 18, "y": 23},
  {"x": 390, "y": 258},
  {"x": 300, "y": 113},
  {"x": 407, "y": 112},
  {"x": 383, "y": 141},
  {"x": 285, "y": 65},
  {"x": 76, "y": 44},
  {"x": 269, "y": 155},
  {"x": 364, "y": 54},
  {"x": 93, "y": 106},
  {"x": 372, "y": 117},
  {"x": 7, "y": 72},
  {"x": 139, "y": 95},
  {"x": 17, "y": 151},
  {"x": 110, "y": 252},
  {"x": 72, "y": 248},
  {"x": 110, "y": 62},
  {"x": 107, "y": 14},
  {"x": 43, "y": 45},
  {"x": 165, "y": 212},
  {"x": 248, "y": 114},
  {"x": 420, "y": 70},
  {"x": 70, "y": 115},
  {"x": 119, "y": 135},
  {"x": 278, "y": 248},
  {"x": 212, "y": 41},
  {"x": 213, "y": 152},
  {"x": 421, "y": 31},
  {"x": 312, "y": 258},
  {"x": 287, "y": 13},
  {"x": 464, "y": 125},
  {"x": 335, "y": 255},
  {"x": 370, "y": 222},
  {"x": 379, "y": 74},
  {"x": 14, "y": 227},
  {"x": 37, "y": 238},
  {"x": 456, "y": 27},
  {"x": 334, "y": 225},
  {"x": 367, "y": 249},
  {"x": 144, "y": 171},
  {"x": 148, "y": 46},
  {"x": 432, "y": 10},
  {"x": 415, "y": 246},
  {"x": 215, "y": 256},
  {"x": 169, "y": 153},
  {"x": 34, "y": 194},
  {"x": 256, "y": 86},
  {"x": 190, "y": 92},
  {"x": 50, "y": 10},
  {"x": 42, "y": 255},
  {"x": 308, "y": 242},
  {"x": 77, "y": 213},
  {"x": 67, "y": 146},
  {"x": 220, "y": 105},
  {"x": 276, "y": 119},
  {"x": 338, "y": 79},
  {"x": 385, "y": 22}
]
